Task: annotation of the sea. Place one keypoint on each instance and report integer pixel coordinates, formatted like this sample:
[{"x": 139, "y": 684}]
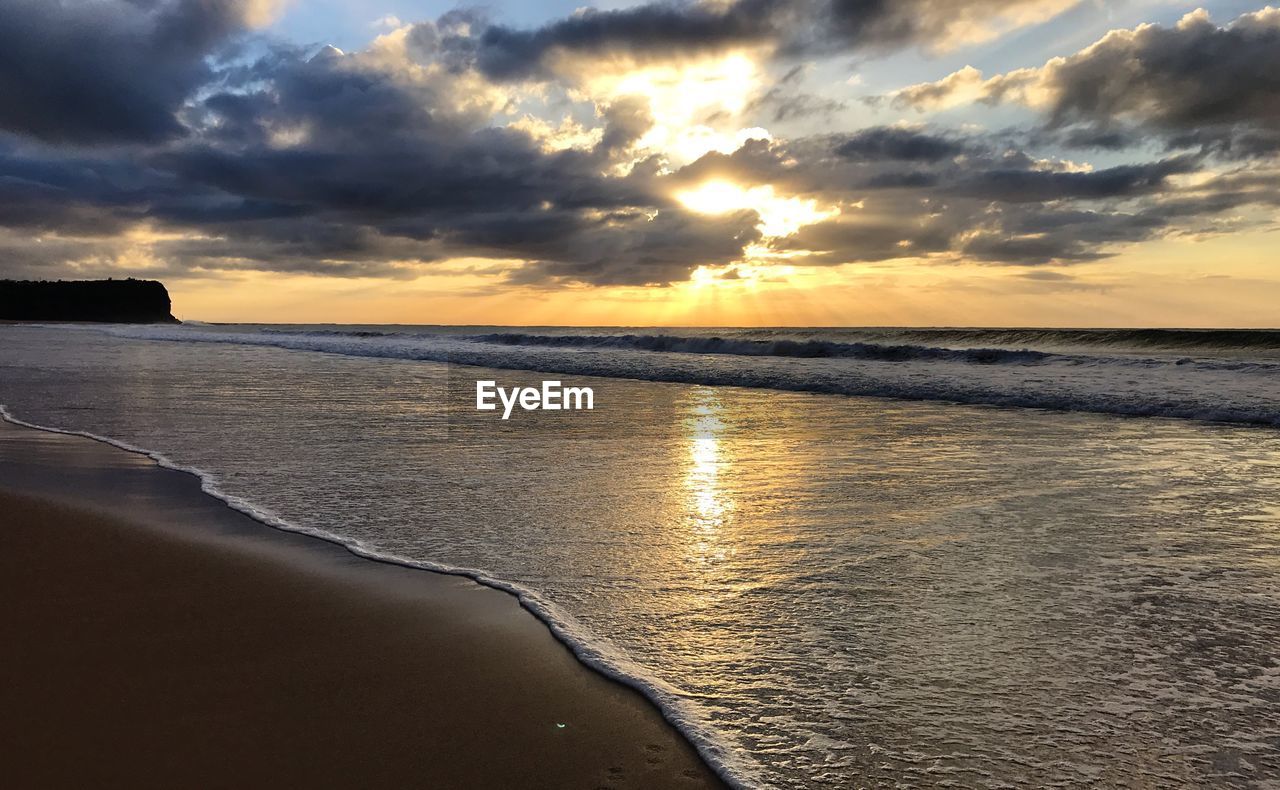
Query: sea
[{"x": 882, "y": 557}]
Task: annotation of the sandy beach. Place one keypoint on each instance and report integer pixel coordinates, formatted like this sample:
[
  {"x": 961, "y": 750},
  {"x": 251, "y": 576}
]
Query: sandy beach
[{"x": 156, "y": 638}]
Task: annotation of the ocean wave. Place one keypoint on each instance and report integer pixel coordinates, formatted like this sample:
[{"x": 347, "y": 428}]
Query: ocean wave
[
  {"x": 783, "y": 347},
  {"x": 1169, "y": 340},
  {"x": 1211, "y": 390}
]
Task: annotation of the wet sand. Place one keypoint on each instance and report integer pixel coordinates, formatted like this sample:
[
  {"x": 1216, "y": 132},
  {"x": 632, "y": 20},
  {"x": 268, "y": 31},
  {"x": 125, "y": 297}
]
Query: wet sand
[{"x": 153, "y": 637}]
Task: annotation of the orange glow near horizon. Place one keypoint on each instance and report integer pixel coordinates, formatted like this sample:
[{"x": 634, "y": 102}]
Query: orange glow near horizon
[
  {"x": 1170, "y": 284},
  {"x": 1216, "y": 282}
]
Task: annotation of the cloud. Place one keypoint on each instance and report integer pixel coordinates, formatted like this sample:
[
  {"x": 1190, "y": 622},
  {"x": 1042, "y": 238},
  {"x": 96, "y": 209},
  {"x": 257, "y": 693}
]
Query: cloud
[
  {"x": 1194, "y": 85},
  {"x": 898, "y": 144},
  {"x": 786, "y": 101},
  {"x": 625, "y": 122},
  {"x": 624, "y": 248},
  {"x": 1022, "y": 185},
  {"x": 790, "y": 28},
  {"x": 1190, "y": 76},
  {"x": 110, "y": 71},
  {"x": 387, "y": 161},
  {"x": 956, "y": 88},
  {"x": 917, "y": 193},
  {"x": 358, "y": 165}
]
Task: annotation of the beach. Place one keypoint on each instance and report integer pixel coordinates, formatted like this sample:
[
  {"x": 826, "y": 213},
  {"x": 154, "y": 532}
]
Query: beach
[
  {"x": 663, "y": 394},
  {"x": 157, "y": 638},
  {"x": 816, "y": 589}
]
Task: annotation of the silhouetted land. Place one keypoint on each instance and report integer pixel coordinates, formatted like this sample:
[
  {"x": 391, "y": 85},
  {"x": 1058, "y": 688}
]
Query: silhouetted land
[{"x": 117, "y": 301}]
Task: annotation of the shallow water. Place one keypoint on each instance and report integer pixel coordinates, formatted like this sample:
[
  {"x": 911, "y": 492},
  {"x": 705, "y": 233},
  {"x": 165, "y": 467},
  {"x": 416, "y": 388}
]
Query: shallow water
[{"x": 824, "y": 590}]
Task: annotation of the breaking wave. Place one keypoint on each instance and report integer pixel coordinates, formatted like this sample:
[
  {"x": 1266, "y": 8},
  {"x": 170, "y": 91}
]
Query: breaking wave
[
  {"x": 783, "y": 347},
  {"x": 1224, "y": 387}
]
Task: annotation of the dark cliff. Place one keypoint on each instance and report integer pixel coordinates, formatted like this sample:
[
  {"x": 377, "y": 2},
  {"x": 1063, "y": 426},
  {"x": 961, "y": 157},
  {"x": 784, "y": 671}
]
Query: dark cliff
[{"x": 117, "y": 301}]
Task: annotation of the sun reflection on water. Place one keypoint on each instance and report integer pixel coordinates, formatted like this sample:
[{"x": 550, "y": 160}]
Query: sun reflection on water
[{"x": 709, "y": 505}]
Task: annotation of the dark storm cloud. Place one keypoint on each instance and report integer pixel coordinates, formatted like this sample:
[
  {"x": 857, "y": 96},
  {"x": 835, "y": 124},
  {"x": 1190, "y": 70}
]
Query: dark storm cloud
[
  {"x": 1028, "y": 250},
  {"x": 890, "y": 228},
  {"x": 1194, "y": 85},
  {"x": 1107, "y": 139},
  {"x": 625, "y": 122},
  {"x": 914, "y": 193},
  {"x": 1237, "y": 142},
  {"x": 872, "y": 239},
  {"x": 379, "y": 168},
  {"x": 1032, "y": 235},
  {"x": 983, "y": 168},
  {"x": 302, "y": 245},
  {"x": 107, "y": 71},
  {"x": 633, "y": 248},
  {"x": 35, "y": 203},
  {"x": 1193, "y": 76},
  {"x": 42, "y": 190},
  {"x": 892, "y": 143},
  {"x": 918, "y": 192},
  {"x": 659, "y": 30},
  {"x": 664, "y": 30},
  {"x": 21, "y": 258},
  {"x": 1014, "y": 185}
]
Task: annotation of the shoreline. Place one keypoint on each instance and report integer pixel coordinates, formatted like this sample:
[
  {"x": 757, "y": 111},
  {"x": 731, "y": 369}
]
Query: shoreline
[
  {"x": 728, "y": 769},
  {"x": 273, "y": 656}
]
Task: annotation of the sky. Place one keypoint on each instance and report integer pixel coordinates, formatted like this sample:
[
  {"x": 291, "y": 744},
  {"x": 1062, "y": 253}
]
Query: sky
[{"x": 724, "y": 162}]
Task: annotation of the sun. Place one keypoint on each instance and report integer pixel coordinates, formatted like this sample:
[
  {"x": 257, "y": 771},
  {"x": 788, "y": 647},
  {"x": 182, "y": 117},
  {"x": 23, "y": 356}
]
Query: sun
[
  {"x": 714, "y": 197},
  {"x": 779, "y": 216}
]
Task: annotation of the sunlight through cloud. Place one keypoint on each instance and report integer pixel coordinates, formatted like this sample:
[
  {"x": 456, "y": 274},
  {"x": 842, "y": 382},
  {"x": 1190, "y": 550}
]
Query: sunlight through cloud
[
  {"x": 779, "y": 216},
  {"x": 696, "y": 107}
]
